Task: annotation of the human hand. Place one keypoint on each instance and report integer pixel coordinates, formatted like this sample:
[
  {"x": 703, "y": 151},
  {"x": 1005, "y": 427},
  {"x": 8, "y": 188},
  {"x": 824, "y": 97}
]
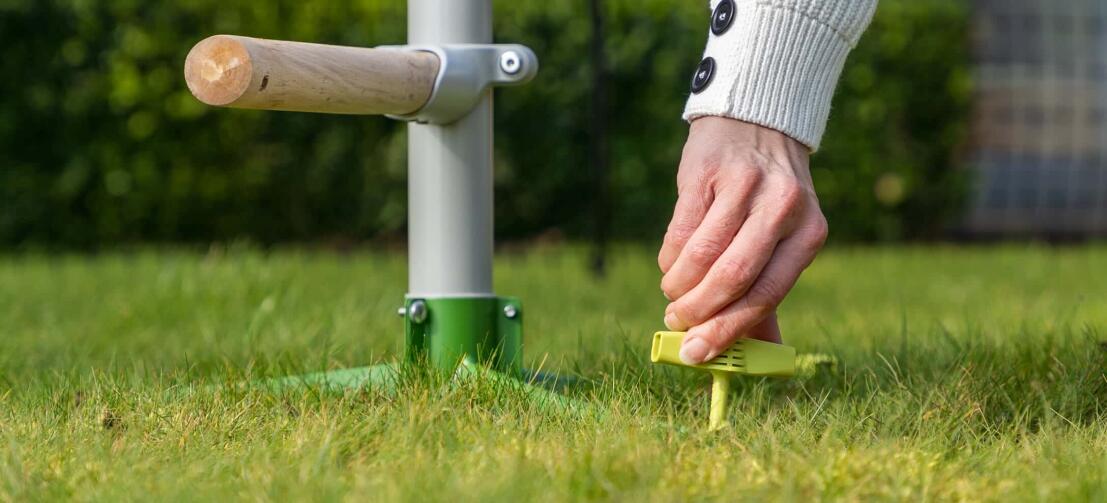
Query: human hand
[{"x": 746, "y": 224}]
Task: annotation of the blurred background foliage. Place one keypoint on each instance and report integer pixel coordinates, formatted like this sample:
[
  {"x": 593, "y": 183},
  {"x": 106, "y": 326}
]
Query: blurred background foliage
[{"x": 101, "y": 143}]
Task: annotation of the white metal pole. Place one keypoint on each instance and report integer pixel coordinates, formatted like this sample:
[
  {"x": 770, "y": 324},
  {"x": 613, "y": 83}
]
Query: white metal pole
[{"x": 450, "y": 170}]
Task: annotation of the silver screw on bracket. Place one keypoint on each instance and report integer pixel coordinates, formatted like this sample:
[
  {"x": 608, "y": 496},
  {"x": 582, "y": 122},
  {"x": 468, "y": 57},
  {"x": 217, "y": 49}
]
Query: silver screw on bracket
[
  {"x": 417, "y": 312},
  {"x": 511, "y": 62}
]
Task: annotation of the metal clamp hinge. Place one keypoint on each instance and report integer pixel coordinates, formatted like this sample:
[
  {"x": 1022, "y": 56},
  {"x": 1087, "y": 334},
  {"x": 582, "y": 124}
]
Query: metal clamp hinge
[{"x": 465, "y": 71}]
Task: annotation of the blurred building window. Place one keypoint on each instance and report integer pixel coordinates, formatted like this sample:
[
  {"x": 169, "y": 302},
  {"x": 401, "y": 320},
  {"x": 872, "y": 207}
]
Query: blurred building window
[{"x": 1039, "y": 126}]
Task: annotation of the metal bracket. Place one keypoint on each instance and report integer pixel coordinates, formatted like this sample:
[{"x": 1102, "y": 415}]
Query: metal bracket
[
  {"x": 465, "y": 71},
  {"x": 447, "y": 330}
]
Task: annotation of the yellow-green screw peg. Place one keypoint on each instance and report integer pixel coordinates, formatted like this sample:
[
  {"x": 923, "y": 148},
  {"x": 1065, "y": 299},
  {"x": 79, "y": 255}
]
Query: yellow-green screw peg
[{"x": 747, "y": 356}]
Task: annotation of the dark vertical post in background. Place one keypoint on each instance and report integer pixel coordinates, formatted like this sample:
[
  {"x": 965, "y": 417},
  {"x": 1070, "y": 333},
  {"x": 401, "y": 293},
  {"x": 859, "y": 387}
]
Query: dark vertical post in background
[{"x": 599, "y": 148}]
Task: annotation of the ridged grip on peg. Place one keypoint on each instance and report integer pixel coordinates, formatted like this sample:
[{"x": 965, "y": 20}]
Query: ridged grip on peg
[{"x": 747, "y": 356}]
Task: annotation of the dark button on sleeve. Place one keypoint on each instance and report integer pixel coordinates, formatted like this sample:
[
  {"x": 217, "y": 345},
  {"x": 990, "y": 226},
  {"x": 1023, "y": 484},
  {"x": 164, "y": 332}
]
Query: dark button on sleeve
[
  {"x": 722, "y": 17},
  {"x": 704, "y": 73}
]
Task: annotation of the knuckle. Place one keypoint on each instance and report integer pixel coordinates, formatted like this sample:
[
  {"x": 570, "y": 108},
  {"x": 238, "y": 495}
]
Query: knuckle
[
  {"x": 750, "y": 177},
  {"x": 818, "y": 232},
  {"x": 786, "y": 203},
  {"x": 678, "y": 233},
  {"x": 723, "y": 330},
  {"x": 702, "y": 310},
  {"x": 698, "y": 175},
  {"x": 747, "y": 182},
  {"x": 670, "y": 288},
  {"x": 704, "y": 252},
  {"x": 765, "y": 295},
  {"x": 688, "y": 313},
  {"x": 709, "y": 165},
  {"x": 791, "y": 195},
  {"x": 736, "y": 273},
  {"x": 695, "y": 178}
]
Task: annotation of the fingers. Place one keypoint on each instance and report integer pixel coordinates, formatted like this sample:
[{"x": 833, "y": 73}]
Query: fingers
[
  {"x": 792, "y": 256},
  {"x": 691, "y": 206},
  {"x": 746, "y": 224},
  {"x": 768, "y": 330},
  {"x": 733, "y": 273},
  {"x": 713, "y": 236},
  {"x": 728, "y": 279}
]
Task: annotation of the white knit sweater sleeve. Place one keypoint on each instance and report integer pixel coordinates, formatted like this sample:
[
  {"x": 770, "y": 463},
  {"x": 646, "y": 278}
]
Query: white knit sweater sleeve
[{"x": 777, "y": 62}]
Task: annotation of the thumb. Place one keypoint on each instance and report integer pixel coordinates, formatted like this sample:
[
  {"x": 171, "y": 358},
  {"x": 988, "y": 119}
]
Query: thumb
[{"x": 697, "y": 350}]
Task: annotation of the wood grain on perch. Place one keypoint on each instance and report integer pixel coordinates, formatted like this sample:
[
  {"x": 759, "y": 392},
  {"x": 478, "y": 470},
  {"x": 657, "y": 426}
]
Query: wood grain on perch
[{"x": 243, "y": 72}]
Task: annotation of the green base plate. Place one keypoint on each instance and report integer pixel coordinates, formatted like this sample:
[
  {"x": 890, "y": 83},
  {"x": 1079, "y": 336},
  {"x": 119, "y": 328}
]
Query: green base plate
[{"x": 385, "y": 378}]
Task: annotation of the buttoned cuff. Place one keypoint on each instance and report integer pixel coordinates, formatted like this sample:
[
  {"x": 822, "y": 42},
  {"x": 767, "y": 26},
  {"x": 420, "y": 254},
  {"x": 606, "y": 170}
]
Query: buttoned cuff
[{"x": 777, "y": 63}]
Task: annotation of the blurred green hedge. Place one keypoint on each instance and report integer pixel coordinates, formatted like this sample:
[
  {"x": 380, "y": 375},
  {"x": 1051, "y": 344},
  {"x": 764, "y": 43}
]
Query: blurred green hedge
[{"x": 100, "y": 142}]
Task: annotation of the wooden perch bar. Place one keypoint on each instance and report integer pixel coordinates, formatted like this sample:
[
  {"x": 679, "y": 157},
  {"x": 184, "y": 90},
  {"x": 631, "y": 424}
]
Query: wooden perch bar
[{"x": 243, "y": 72}]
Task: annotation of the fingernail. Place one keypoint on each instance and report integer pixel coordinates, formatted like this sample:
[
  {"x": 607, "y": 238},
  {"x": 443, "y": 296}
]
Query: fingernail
[
  {"x": 670, "y": 299},
  {"x": 674, "y": 323},
  {"x": 693, "y": 351}
]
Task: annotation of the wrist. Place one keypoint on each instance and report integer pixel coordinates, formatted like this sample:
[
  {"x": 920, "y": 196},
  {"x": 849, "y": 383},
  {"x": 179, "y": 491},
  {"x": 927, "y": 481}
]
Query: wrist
[{"x": 724, "y": 133}]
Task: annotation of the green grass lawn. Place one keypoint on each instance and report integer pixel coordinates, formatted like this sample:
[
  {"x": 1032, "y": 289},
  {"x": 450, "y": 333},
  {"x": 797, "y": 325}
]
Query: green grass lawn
[{"x": 970, "y": 374}]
